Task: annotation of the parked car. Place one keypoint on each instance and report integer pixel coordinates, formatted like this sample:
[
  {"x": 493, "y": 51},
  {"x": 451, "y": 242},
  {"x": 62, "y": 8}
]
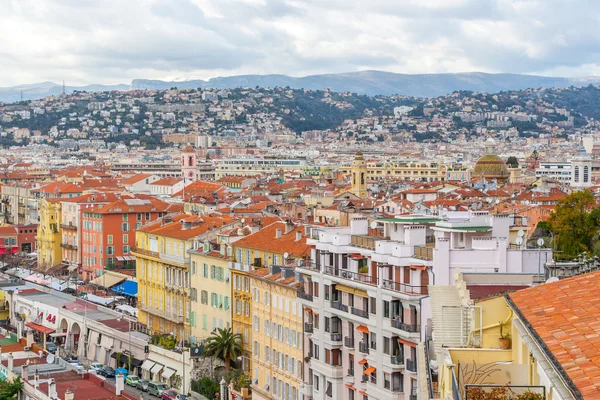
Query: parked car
[
  {"x": 157, "y": 388},
  {"x": 107, "y": 371},
  {"x": 132, "y": 380},
  {"x": 122, "y": 371},
  {"x": 51, "y": 347},
  {"x": 142, "y": 385},
  {"x": 95, "y": 367},
  {"x": 172, "y": 394}
]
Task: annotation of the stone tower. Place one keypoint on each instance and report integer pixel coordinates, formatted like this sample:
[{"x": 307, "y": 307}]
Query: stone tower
[
  {"x": 581, "y": 169},
  {"x": 359, "y": 176},
  {"x": 189, "y": 169}
]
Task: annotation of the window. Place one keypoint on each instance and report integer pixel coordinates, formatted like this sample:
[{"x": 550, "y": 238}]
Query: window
[
  {"x": 125, "y": 238},
  {"x": 125, "y": 217},
  {"x": 386, "y": 309},
  {"x": 373, "y": 305},
  {"x": 109, "y": 239},
  {"x": 205, "y": 271},
  {"x": 125, "y": 249},
  {"x": 110, "y": 250},
  {"x": 386, "y": 345},
  {"x": 125, "y": 226},
  {"x": 139, "y": 216},
  {"x": 316, "y": 382}
]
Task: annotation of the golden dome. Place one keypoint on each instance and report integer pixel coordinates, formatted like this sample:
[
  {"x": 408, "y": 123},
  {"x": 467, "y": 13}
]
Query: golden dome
[{"x": 491, "y": 166}]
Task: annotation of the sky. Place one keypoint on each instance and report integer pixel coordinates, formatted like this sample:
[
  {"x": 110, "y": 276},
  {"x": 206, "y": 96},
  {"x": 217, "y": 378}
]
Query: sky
[{"x": 115, "y": 41}]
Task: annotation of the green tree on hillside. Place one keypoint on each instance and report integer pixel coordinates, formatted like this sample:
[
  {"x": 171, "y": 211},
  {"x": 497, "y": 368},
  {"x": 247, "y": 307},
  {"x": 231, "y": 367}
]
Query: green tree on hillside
[{"x": 575, "y": 224}]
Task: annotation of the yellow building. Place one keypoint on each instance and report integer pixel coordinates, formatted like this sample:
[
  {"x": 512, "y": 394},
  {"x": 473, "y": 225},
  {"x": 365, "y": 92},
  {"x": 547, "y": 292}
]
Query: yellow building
[
  {"x": 241, "y": 309},
  {"x": 210, "y": 291},
  {"x": 276, "y": 334},
  {"x": 359, "y": 176},
  {"x": 49, "y": 237}
]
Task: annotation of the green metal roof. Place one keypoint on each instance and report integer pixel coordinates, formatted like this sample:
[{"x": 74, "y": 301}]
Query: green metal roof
[
  {"x": 467, "y": 228},
  {"x": 417, "y": 220}
]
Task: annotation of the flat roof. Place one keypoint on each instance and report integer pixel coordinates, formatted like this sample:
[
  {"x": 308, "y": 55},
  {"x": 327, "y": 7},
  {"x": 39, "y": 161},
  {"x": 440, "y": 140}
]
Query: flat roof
[
  {"x": 410, "y": 220},
  {"x": 466, "y": 228}
]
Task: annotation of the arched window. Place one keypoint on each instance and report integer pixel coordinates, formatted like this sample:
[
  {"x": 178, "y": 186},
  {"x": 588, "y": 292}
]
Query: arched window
[
  {"x": 190, "y": 161},
  {"x": 586, "y": 174},
  {"x": 576, "y": 174},
  {"x": 362, "y": 178}
]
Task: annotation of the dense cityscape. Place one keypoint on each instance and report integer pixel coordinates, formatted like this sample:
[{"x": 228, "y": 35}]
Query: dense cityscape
[{"x": 289, "y": 244}]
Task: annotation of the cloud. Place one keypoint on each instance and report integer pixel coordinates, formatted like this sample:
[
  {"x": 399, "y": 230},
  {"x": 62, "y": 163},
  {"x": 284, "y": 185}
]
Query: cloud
[{"x": 114, "y": 41}]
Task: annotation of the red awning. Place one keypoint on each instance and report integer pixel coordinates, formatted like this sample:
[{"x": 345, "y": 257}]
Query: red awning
[
  {"x": 2, "y": 250},
  {"x": 41, "y": 314},
  {"x": 14, "y": 250},
  {"x": 406, "y": 342},
  {"x": 48, "y": 317},
  {"x": 39, "y": 328},
  {"x": 421, "y": 267},
  {"x": 363, "y": 329},
  {"x": 363, "y": 393},
  {"x": 350, "y": 387},
  {"x": 357, "y": 256},
  {"x": 53, "y": 318},
  {"x": 369, "y": 371},
  {"x": 362, "y": 362}
]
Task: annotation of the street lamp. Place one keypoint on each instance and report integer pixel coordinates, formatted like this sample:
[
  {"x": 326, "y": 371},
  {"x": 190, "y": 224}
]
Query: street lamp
[{"x": 241, "y": 358}]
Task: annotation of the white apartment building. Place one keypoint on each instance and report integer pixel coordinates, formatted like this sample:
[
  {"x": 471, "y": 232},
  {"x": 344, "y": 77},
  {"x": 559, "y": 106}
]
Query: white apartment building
[{"x": 366, "y": 302}]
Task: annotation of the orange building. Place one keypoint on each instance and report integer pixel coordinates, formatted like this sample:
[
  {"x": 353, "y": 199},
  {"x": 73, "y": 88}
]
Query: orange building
[{"x": 108, "y": 232}]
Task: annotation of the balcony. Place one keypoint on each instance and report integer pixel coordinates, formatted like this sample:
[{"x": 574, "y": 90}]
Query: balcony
[
  {"x": 363, "y": 347},
  {"x": 349, "y": 342},
  {"x": 404, "y": 288},
  {"x": 305, "y": 296},
  {"x": 424, "y": 253},
  {"x": 360, "y": 313},
  {"x": 308, "y": 328},
  {"x": 174, "y": 258},
  {"x": 411, "y": 365},
  {"x": 353, "y": 276},
  {"x": 145, "y": 252},
  {"x": 335, "y": 337},
  {"x": 339, "y": 306},
  {"x": 366, "y": 242},
  {"x": 306, "y": 389},
  {"x": 178, "y": 319},
  {"x": 350, "y": 372},
  {"x": 411, "y": 328},
  {"x": 397, "y": 360},
  {"x": 312, "y": 267},
  {"x": 68, "y": 246},
  {"x": 68, "y": 226}
]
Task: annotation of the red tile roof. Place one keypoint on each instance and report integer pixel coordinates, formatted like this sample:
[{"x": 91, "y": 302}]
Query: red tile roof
[
  {"x": 564, "y": 315},
  {"x": 266, "y": 240}
]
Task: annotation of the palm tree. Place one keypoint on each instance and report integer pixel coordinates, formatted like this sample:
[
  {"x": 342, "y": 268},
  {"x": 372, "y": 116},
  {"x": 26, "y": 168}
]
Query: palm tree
[{"x": 224, "y": 345}]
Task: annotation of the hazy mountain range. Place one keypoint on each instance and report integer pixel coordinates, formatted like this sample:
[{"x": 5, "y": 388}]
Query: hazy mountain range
[{"x": 364, "y": 82}]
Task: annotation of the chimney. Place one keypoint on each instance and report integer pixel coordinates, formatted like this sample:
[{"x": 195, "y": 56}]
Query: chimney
[
  {"x": 69, "y": 395},
  {"x": 11, "y": 362},
  {"x": 52, "y": 388},
  {"x": 289, "y": 226},
  {"x": 24, "y": 373},
  {"x": 278, "y": 233},
  {"x": 298, "y": 235}
]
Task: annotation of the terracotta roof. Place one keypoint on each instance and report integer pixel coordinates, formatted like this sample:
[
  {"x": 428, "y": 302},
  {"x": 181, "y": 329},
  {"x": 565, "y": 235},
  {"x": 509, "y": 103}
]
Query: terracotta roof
[
  {"x": 8, "y": 230},
  {"x": 167, "y": 181},
  {"x": 175, "y": 229},
  {"x": 266, "y": 240},
  {"x": 135, "y": 179},
  {"x": 564, "y": 315}
]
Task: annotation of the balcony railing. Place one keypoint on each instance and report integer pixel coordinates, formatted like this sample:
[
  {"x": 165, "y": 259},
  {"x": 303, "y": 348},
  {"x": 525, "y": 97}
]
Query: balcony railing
[
  {"x": 404, "y": 288},
  {"x": 363, "y": 347},
  {"x": 412, "y": 328},
  {"x": 335, "y": 337},
  {"x": 308, "y": 328},
  {"x": 365, "y": 242},
  {"x": 411, "y": 365},
  {"x": 397, "y": 360},
  {"x": 349, "y": 342},
  {"x": 350, "y": 372},
  {"x": 353, "y": 276},
  {"x": 424, "y": 253},
  {"x": 145, "y": 252},
  {"x": 178, "y": 319},
  {"x": 312, "y": 266},
  {"x": 339, "y": 306},
  {"x": 68, "y": 246},
  {"x": 68, "y": 226},
  {"x": 303, "y": 295},
  {"x": 360, "y": 313}
]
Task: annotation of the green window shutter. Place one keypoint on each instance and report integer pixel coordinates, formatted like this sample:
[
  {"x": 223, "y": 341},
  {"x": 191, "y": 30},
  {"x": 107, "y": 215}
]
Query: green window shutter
[{"x": 204, "y": 321}]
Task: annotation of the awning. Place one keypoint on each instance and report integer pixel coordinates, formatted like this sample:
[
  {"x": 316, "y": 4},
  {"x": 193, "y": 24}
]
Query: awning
[
  {"x": 350, "y": 387},
  {"x": 114, "y": 355},
  {"x": 136, "y": 363},
  {"x": 58, "y": 334},
  {"x": 107, "y": 280},
  {"x": 72, "y": 268},
  {"x": 119, "y": 258},
  {"x": 363, "y": 393},
  {"x": 362, "y": 328},
  {"x": 369, "y": 370},
  {"x": 128, "y": 288},
  {"x": 156, "y": 369},
  {"x": 420, "y": 267},
  {"x": 362, "y": 362},
  {"x": 168, "y": 372},
  {"x": 347, "y": 289},
  {"x": 148, "y": 364},
  {"x": 406, "y": 342},
  {"x": 39, "y": 328}
]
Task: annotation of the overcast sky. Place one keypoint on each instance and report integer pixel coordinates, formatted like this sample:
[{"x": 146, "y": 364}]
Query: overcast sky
[{"x": 115, "y": 41}]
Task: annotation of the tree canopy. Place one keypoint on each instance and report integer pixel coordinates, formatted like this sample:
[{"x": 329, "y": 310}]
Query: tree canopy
[
  {"x": 575, "y": 223},
  {"x": 224, "y": 345},
  {"x": 512, "y": 162}
]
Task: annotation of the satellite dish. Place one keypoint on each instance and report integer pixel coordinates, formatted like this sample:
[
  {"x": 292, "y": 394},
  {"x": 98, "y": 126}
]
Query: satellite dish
[
  {"x": 540, "y": 242},
  {"x": 519, "y": 240},
  {"x": 285, "y": 255},
  {"x": 50, "y": 359},
  {"x": 299, "y": 262},
  {"x": 520, "y": 233},
  {"x": 374, "y": 225}
]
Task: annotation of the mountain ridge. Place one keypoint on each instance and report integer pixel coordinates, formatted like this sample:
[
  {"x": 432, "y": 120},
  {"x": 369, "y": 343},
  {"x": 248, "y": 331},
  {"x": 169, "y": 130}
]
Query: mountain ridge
[{"x": 369, "y": 82}]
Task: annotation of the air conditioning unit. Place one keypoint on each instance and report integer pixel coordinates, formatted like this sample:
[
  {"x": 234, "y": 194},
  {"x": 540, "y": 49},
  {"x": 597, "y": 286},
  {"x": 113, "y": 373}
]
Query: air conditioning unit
[
  {"x": 27, "y": 348},
  {"x": 345, "y": 275}
]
